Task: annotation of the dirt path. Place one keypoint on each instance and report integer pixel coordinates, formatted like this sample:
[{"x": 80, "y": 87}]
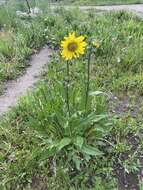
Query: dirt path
[
  {"x": 17, "y": 88},
  {"x": 136, "y": 8}
]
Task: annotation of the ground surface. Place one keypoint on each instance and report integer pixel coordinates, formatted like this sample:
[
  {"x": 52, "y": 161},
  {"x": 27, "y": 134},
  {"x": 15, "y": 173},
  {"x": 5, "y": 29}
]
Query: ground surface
[
  {"x": 135, "y": 8},
  {"x": 104, "y": 2},
  {"x": 18, "y": 140},
  {"x": 17, "y": 88}
]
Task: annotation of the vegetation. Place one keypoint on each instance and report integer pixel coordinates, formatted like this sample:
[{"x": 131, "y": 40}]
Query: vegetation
[
  {"x": 18, "y": 39},
  {"x": 103, "y": 2},
  {"x": 47, "y": 142}
]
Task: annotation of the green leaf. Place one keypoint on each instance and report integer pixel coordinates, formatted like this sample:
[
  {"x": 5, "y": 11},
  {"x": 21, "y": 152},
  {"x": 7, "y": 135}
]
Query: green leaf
[
  {"x": 43, "y": 154},
  {"x": 64, "y": 142},
  {"x": 90, "y": 150},
  {"x": 36, "y": 125},
  {"x": 91, "y": 118},
  {"x": 77, "y": 162},
  {"x": 96, "y": 93},
  {"x": 78, "y": 141}
]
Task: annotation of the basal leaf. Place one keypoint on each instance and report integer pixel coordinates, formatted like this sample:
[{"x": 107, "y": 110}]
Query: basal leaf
[
  {"x": 96, "y": 93},
  {"x": 43, "y": 154},
  {"x": 90, "y": 150},
  {"x": 78, "y": 141},
  {"x": 64, "y": 142}
]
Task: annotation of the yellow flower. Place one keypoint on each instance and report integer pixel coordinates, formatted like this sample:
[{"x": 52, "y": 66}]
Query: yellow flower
[
  {"x": 72, "y": 46},
  {"x": 96, "y": 44}
]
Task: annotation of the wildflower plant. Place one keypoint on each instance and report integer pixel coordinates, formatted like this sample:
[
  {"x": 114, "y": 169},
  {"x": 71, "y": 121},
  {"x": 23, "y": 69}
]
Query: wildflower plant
[
  {"x": 72, "y": 46},
  {"x": 96, "y": 44},
  {"x": 76, "y": 114}
]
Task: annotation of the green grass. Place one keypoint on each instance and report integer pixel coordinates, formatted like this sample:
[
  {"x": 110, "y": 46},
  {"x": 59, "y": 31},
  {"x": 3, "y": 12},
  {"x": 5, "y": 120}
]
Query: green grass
[
  {"x": 117, "y": 67},
  {"x": 121, "y": 46},
  {"x": 104, "y": 2},
  {"x": 17, "y": 42}
]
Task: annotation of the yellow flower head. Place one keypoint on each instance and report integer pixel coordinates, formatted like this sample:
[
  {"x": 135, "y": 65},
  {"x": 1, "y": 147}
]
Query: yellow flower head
[
  {"x": 96, "y": 44},
  {"x": 72, "y": 46}
]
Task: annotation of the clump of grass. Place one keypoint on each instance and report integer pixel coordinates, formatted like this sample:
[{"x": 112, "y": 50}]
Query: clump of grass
[
  {"x": 120, "y": 55},
  {"x": 18, "y": 39},
  {"x": 104, "y": 2}
]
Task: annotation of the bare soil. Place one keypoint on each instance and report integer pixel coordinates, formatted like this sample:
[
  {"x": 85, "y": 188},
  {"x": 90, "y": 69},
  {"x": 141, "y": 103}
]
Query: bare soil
[
  {"x": 120, "y": 106},
  {"x": 134, "y": 8},
  {"x": 17, "y": 88}
]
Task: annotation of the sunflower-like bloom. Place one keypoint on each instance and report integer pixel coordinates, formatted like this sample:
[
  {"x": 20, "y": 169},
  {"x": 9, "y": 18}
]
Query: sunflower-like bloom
[
  {"x": 96, "y": 44},
  {"x": 72, "y": 46}
]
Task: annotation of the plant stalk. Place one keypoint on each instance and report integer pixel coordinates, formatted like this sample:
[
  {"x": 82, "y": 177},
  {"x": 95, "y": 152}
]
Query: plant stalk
[
  {"x": 28, "y": 5},
  {"x": 88, "y": 78},
  {"x": 67, "y": 89}
]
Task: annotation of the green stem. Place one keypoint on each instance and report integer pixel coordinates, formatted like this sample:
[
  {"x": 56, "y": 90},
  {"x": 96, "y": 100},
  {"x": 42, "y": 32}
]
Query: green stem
[
  {"x": 28, "y": 5},
  {"x": 67, "y": 89},
  {"x": 88, "y": 78}
]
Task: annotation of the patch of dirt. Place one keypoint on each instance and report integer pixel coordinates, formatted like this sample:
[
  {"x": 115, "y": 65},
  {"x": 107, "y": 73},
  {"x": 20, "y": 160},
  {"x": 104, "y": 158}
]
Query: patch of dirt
[
  {"x": 17, "y": 88},
  {"x": 120, "y": 106},
  {"x": 128, "y": 181},
  {"x": 134, "y": 8},
  {"x": 39, "y": 183}
]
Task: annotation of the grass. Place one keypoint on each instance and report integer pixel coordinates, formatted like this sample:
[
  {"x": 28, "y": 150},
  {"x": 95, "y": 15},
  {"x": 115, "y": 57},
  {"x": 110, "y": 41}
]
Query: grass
[
  {"x": 17, "y": 42},
  {"x": 117, "y": 68},
  {"x": 119, "y": 50},
  {"x": 105, "y": 2}
]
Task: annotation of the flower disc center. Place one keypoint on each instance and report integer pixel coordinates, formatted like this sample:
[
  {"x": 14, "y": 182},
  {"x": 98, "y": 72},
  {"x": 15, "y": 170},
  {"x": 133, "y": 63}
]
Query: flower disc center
[{"x": 72, "y": 46}]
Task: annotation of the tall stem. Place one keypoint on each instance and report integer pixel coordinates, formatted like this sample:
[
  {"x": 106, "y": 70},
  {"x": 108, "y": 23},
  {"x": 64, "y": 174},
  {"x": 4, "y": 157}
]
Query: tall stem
[
  {"x": 88, "y": 78},
  {"x": 67, "y": 89},
  {"x": 28, "y": 5}
]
